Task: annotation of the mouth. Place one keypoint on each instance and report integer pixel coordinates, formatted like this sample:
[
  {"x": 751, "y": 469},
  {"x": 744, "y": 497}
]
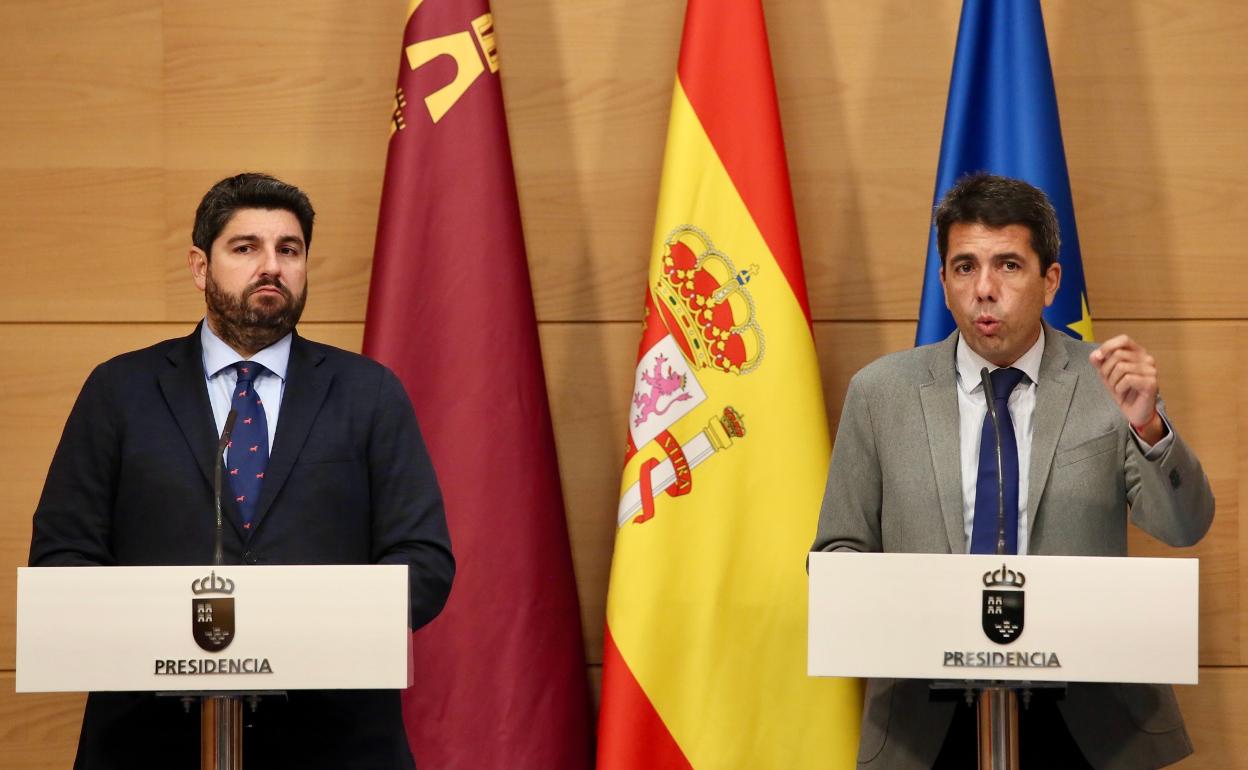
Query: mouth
[
  {"x": 267, "y": 291},
  {"x": 987, "y": 325}
]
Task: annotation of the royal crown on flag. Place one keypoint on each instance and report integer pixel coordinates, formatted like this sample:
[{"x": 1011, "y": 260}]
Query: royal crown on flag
[{"x": 706, "y": 305}]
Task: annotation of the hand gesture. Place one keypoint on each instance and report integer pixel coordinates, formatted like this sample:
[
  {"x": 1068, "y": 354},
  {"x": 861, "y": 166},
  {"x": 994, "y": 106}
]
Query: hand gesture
[{"x": 1130, "y": 376}]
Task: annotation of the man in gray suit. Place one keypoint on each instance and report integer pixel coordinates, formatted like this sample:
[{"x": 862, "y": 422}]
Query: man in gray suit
[{"x": 1092, "y": 442}]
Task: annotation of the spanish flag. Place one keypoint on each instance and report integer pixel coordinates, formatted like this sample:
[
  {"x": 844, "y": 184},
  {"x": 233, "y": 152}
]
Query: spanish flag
[{"x": 704, "y": 661}]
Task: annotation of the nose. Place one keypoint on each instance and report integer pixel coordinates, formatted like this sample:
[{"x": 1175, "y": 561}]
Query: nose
[
  {"x": 986, "y": 286},
  {"x": 269, "y": 263}
]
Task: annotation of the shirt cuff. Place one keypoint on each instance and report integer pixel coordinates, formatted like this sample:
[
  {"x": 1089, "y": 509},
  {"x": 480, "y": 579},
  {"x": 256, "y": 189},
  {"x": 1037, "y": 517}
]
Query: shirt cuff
[{"x": 1155, "y": 451}]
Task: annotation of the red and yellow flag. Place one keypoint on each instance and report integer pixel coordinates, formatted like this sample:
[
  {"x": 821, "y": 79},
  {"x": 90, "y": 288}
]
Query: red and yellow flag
[
  {"x": 704, "y": 663},
  {"x": 500, "y": 674}
]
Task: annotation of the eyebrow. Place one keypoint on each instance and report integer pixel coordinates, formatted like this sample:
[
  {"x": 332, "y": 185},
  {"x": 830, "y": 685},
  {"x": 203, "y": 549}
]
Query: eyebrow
[
  {"x": 1002, "y": 255},
  {"x": 253, "y": 237}
]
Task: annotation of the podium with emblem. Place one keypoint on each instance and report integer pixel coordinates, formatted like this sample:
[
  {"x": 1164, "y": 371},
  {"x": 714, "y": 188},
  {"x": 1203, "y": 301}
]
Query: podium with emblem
[
  {"x": 252, "y": 631},
  {"x": 995, "y": 627}
]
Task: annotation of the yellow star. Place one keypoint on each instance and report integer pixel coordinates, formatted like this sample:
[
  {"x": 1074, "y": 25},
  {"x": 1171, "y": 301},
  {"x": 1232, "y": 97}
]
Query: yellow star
[{"x": 1083, "y": 327}]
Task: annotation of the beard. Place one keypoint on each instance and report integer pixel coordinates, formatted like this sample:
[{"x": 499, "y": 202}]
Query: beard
[{"x": 250, "y": 326}]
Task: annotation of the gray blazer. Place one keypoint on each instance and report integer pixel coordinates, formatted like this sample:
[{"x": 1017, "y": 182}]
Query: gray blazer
[{"x": 894, "y": 485}]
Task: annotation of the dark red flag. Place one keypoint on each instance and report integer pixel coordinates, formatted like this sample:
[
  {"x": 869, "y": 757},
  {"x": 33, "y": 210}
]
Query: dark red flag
[{"x": 500, "y": 675}]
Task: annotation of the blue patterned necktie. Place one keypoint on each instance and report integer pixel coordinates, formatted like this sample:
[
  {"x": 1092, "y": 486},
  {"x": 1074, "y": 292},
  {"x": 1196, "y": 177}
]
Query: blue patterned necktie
[
  {"x": 984, "y": 529},
  {"x": 248, "y": 452}
]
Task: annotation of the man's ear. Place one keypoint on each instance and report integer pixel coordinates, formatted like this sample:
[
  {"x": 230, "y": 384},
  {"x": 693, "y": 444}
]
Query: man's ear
[
  {"x": 1052, "y": 282},
  {"x": 197, "y": 260}
]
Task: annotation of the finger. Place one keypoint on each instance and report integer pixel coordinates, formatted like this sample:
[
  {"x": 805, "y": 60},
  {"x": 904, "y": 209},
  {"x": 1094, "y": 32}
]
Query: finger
[
  {"x": 1137, "y": 376},
  {"x": 1124, "y": 357},
  {"x": 1114, "y": 365},
  {"x": 1131, "y": 383},
  {"x": 1112, "y": 345},
  {"x": 1133, "y": 386}
]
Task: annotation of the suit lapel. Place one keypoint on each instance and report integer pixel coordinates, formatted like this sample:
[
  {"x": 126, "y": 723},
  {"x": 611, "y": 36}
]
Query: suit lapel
[
  {"x": 940, "y": 414},
  {"x": 187, "y": 398},
  {"x": 1053, "y": 396},
  {"x": 186, "y": 395},
  {"x": 307, "y": 384}
]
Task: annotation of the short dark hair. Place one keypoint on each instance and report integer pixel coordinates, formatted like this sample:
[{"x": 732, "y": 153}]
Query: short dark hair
[
  {"x": 998, "y": 201},
  {"x": 248, "y": 191}
]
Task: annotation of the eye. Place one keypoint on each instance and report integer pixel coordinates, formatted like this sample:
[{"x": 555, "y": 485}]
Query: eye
[
  {"x": 1010, "y": 265},
  {"x": 243, "y": 248},
  {"x": 962, "y": 268}
]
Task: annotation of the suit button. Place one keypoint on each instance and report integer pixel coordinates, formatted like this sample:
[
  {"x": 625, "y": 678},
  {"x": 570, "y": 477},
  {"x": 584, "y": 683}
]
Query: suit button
[{"x": 249, "y": 558}]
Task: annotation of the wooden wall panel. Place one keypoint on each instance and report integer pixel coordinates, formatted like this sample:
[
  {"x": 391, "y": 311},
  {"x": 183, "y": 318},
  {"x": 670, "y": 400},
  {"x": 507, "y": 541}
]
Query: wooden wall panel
[
  {"x": 305, "y": 85},
  {"x": 862, "y": 89},
  {"x": 1215, "y": 711},
  {"x": 1152, "y": 100},
  {"x": 38, "y": 731},
  {"x": 81, "y": 84},
  {"x": 588, "y": 85},
  {"x": 80, "y": 244},
  {"x": 589, "y": 378}
]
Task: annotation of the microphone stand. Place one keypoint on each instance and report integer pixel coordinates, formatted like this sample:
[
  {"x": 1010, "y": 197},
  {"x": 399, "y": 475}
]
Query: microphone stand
[
  {"x": 997, "y": 709},
  {"x": 218, "y": 550},
  {"x": 220, "y": 714}
]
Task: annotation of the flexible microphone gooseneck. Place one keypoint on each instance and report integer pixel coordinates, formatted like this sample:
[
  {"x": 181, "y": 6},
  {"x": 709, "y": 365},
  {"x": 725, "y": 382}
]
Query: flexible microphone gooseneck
[
  {"x": 990, "y": 396},
  {"x": 218, "y": 554}
]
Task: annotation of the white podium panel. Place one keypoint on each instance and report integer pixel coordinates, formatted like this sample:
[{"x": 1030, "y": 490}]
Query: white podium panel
[
  {"x": 230, "y": 628},
  {"x": 1012, "y": 618}
]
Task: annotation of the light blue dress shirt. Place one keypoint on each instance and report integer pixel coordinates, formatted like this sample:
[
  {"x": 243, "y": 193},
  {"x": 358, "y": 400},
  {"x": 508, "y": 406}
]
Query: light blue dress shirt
[{"x": 220, "y": 376}]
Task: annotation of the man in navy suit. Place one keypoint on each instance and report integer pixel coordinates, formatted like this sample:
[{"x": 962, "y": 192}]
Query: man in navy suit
[{"x": 347, "y": 480}]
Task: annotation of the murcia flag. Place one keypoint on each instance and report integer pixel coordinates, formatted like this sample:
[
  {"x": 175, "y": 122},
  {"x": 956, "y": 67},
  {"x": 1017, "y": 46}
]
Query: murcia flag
[
  {"x": 500, "y": 674},
  {"x": 705, "y": 652}
]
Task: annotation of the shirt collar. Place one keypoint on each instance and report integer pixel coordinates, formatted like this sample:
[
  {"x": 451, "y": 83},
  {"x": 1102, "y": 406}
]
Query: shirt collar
[
  {"x": 970, "y": 363},
  {"x": 218, "y": 355}
]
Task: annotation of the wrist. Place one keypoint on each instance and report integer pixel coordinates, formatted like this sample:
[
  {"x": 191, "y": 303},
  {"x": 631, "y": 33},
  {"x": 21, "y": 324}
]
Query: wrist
[{"x": 1151, "y": 430}]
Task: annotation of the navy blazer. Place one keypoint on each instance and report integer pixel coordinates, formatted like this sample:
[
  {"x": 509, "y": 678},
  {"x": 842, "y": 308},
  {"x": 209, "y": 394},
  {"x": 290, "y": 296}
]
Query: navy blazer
[{"x": 349, "y": 481}]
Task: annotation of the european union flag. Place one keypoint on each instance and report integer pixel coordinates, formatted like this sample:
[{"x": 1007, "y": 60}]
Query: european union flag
[{"x": 1002, "y": 118}]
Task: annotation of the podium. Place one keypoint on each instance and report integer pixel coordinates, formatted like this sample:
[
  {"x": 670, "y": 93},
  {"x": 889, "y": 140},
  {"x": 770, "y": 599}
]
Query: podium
[
  {"x": 998, "y": 624},
  {"x": 221, "y": 635}
]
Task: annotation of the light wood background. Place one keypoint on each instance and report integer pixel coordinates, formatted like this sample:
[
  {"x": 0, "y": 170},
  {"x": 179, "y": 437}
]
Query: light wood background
[{"x": 116, "y": 115}]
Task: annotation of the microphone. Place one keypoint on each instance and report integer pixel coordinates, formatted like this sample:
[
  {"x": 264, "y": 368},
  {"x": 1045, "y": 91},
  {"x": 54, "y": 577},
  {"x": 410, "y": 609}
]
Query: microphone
[
  {"x": 218, "y": 555},
  {"x": 990, "y": 398}
]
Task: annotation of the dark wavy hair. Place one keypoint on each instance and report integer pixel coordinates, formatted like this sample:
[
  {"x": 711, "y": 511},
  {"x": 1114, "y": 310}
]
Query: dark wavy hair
[
  {"x": 997, "y": 201},
  {"x": 248, "y": 191}
]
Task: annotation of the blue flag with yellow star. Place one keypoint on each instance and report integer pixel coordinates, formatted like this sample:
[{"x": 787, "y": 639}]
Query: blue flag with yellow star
[{"x": 1002, "y": 118}]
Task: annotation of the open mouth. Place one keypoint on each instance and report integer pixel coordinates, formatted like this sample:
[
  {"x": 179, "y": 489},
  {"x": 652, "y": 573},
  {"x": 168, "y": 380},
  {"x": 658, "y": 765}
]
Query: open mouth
[{"x": 987, "y": 325}]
